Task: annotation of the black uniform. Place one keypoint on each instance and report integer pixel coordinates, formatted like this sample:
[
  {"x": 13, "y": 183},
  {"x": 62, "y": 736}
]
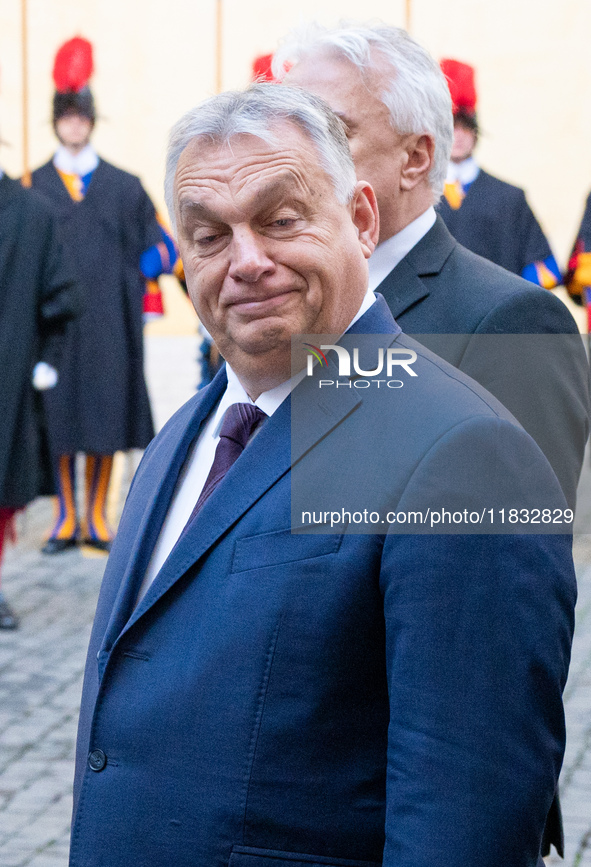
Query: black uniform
[
  {"x": 494, "y": 220},
  {"x": 37, "y": 297},
  {"x": 101, "y": 402}
]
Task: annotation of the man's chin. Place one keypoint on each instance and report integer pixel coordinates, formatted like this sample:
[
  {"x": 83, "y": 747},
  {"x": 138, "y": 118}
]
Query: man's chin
[{"x": 260, "y": 337}]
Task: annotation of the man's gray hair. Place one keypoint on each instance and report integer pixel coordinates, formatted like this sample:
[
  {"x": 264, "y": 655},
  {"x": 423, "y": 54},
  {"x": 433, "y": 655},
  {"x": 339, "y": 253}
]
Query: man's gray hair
[
  {"x": 416, "y": 92},
  {"x": 256, "y": 112}
]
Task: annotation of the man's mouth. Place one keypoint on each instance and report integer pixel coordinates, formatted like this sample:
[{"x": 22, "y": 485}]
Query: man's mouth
[{"x": 256, "y": 305}]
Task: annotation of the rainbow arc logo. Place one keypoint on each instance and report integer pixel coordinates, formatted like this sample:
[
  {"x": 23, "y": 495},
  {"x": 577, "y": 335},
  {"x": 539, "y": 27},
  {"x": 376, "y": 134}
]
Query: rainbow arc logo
[{"x": 317, "y": 353}]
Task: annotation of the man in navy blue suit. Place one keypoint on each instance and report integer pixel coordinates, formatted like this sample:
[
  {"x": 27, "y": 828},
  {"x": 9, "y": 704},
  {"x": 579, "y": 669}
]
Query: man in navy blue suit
[{"x": 261, "y": 694}]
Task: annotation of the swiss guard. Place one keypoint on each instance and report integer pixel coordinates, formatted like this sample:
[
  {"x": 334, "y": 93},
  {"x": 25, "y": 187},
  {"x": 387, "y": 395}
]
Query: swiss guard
[
  {"x": 578, "y": 278},
  {"x": 37, "y": 299},
  {"x": 100, "y": 404},
  {"x": 487, "y": 215}
]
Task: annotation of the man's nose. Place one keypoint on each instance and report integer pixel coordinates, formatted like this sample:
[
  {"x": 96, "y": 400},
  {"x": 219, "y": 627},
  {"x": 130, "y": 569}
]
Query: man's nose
[{"x": 249, "y": 259}]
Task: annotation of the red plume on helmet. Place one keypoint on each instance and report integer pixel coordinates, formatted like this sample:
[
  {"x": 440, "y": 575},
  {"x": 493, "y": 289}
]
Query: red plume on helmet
[
  {"x": 462, "y": 86},
  {"x": 261, "y": 68},
  {"x": 73, "y": 65},
  {"x": 72, "y": 68}
]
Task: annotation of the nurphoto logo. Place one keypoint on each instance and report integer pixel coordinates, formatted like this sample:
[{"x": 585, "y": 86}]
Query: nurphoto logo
[{"x": 388, "y": 359}]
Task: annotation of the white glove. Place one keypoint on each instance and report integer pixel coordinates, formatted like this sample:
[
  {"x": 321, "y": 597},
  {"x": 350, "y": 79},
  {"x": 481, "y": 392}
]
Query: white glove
[{"x": 44, "y": 376}]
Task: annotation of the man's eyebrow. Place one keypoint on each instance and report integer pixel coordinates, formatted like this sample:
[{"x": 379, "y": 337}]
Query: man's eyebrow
[
  {"x": 275, "y": 191},
  {"x": 191, "y": 210},
  {"x": 271, "y": 193}
]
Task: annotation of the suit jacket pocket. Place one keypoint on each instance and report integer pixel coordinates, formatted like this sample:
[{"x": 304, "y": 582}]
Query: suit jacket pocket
[
  {"x": 246, "y": 856},
  {"x": 281, "y": 546}
]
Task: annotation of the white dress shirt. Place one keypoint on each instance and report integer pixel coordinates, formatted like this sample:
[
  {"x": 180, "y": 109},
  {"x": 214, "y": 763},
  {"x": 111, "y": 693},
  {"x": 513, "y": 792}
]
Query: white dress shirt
[
  {"x": 201, "y": 455},
  {"x": 389, "y": 253},
  {"x": 76, "y": 164}
]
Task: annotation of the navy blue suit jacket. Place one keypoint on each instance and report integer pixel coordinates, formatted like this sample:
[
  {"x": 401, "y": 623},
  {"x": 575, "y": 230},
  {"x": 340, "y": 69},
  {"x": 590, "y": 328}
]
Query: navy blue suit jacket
[{"x": 281, "y": 699}]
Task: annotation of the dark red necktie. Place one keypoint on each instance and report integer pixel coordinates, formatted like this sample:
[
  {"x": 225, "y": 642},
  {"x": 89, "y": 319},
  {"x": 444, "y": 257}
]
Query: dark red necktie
[{"x": 239, "y": 422}]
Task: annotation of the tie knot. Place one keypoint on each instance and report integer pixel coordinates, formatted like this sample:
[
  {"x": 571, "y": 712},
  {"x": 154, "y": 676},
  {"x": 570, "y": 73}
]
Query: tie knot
[{"x": 239, "y": 422}]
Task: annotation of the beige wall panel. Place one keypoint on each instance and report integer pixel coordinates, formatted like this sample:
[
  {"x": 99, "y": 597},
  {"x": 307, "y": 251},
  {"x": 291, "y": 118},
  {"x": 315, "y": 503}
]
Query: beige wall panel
[
  {"x": 154, "y": 60},
  {"x": 534, "y": 83}
]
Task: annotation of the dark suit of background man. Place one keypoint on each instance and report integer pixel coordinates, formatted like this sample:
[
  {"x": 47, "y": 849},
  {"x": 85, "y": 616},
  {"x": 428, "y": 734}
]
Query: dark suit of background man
[
  {"x": 396, "y": 106},
  {"x": 257, "y": 697}
]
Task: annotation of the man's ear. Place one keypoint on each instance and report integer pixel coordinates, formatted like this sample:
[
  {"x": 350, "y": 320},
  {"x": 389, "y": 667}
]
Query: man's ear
[
  {"x": 365, "y": 216},
  {"x": 418, "y": 162}
]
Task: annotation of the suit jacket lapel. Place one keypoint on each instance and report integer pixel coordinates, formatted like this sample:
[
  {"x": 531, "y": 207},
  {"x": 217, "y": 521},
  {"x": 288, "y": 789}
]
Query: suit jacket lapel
[
  {"x": 403, "y": 286},
  {"x": 157, "y": 502}
]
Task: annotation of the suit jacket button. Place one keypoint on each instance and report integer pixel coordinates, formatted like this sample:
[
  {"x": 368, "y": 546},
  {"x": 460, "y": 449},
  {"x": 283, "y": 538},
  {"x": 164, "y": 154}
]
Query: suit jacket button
[{"x": 97, "y": 760}]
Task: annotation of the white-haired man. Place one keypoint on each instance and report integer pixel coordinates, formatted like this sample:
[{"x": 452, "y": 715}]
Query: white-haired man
[
  {"x": 396, "y": 106},
  {"x": 256, "y": 696}
]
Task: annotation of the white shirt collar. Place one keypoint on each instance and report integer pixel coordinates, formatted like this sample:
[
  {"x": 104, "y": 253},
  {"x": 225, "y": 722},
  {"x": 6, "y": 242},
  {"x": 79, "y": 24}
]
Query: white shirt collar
[
  {"x": 76, "y": 164},
  {"x": 389, "y": 253},
  {"x": 270, "y": 401},
  {"x": 465, "y": 172},
  {"x": 368, "y": 300}
]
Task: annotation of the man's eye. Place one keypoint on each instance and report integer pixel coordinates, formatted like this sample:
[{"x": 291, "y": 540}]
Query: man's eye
[
  {"x": 284, "y": 222},
  {"x": 206, "y": 239}
]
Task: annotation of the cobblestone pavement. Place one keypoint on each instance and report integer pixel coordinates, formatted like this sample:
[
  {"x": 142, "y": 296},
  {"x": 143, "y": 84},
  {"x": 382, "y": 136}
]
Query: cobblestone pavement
[
  {"x": 575, "y": 783},
  {"x": 41, "y": 667}
]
